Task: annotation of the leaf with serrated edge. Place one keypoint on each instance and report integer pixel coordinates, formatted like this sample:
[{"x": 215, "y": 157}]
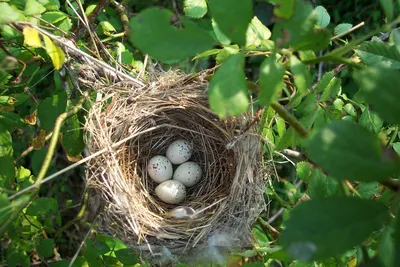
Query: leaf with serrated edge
[
  {"x": 31, "y": 37},
  {"x": 228, "y": 90},
  {"x": 271, "y": 80},
  {"x": 322, "y": 228},
  {"x": 233, "y": 17},
  {"x": 348, "y": 151},
  {"x": 152, "y": 32},
  {"x": 379, "y": 86},
  {"x": 56, "y": 54}
]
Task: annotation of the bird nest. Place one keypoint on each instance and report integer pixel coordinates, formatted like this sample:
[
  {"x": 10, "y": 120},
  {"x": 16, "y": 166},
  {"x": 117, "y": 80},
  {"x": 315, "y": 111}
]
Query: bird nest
[{"x": 134, "y": 123}]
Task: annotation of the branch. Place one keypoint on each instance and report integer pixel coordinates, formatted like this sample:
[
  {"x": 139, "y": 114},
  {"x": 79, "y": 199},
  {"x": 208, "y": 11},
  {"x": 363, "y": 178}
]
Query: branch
[
  {"x": 45, "y": 166},
  {"x": 289, "y": 118},
  {"x": 54, "y": 138}
]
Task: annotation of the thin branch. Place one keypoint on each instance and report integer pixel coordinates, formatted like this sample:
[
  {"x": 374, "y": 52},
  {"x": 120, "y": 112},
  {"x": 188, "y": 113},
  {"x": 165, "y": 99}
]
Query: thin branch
[
  {"x": 78, "y": 216},
  {"x": 70, "y": 167},
  {"x": 122, "y": 15},
  {"x": 359, "y": 25},
  {"x": 30, "y": 149},
  {"x": 290, "y": 119},
  {"x": 82, "y": 243},
  {"x": 54, "y": 138}
]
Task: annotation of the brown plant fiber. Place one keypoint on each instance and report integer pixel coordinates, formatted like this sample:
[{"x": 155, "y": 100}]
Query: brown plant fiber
[{"x": 229, "y": 197}]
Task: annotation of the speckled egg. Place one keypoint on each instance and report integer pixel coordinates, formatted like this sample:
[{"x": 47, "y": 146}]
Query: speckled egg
[
  {"x": 171, "y": 192},
  {"x": 160, "y": 169},
  {"x": 179, "y": 151},
  {"x": 189, "y": 173}
]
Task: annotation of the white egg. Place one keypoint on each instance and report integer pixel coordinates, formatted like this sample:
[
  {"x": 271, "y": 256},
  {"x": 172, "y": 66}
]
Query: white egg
[
  {"x": 179, "y": 151},
  {"x": 171, "y": 192},
  {"x": 188, "y": 173},
  {"x": 159, "y": 169}
]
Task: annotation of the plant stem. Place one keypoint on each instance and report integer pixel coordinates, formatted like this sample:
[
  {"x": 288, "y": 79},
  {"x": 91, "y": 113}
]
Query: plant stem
[
  {"x": 54, "y": 138},
  {"x": 46, "y": 163},
  {"x": 78, "y": 216},
  {"x": 289, "y": 118}
]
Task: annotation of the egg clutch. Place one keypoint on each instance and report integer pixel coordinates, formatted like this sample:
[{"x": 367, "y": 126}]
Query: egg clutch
[{"x": 172, "y": 184}]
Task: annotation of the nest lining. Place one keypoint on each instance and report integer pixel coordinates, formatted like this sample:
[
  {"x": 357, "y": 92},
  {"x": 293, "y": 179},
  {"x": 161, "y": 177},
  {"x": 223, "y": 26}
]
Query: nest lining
[{"x": 228, "y": 198}]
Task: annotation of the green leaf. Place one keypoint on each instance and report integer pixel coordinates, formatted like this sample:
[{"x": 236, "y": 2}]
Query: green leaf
[
  {"x": 284, "y": 8},
  {"x": 207, "y": 53},
  {"x": 221, "y": 37},
  {"x": 8, "y": 13},
  {"x": 341, "y": 28},
  {"x": 33, "y": 8},
  {"x": 315, "y": 40},
  {"x": 379, "y": 54},
  {"x": 11, "y": 120},
  {"x": 106, "y": 28},
  {"x": 322, "y": 228},
  {"x": 256, "y": 33},
  {"x": 348, "y": 151},
  {"x": 349, "y": 108},
  {"x": 72, "y": 137},
  {"x": 53, "y": 5},
  {"x": 112, "y": 242},
  {"x": 54, "y": 16},
  {"x": 371, "y": 121},
  {"x": 43, "y": 206},
  {"x": 97, "y": 246},
  {"x": 50, "y": 108},
  {"x": 387, "y": 6},
  {"x": 332, "y": 90},
  {"x": 228, "y": 89},
  {"x": 323, "y": 17},
  {"x": 303, "y": 170},
  {"x": 45, "y": 248},
  {"x": 7, "y": 172},
  {"x": 5, "y": 208},
  {"x": 296, "y": 29},
  {"x": 226, "y": 52},
  {"x": 271, "y": 80},
  {"x": 233, "y": 17},
  {"x": 380, "y": 88},
  {"x": 18, "y": 258},
  {"x": 396, "y": 237},
  {"x": 321, "y": 186},
  {"x": 386, "y": 250},
  {"x": 396, "y": 147},
  {"x": 5, "y": 142},
  {"x": 152, "y": 33},
  {"x": 368, "y": 190},
  {"x": 302, "y": 77},
  {"x": 195, "y": 8},
  {"x": 127, "y": 256}
]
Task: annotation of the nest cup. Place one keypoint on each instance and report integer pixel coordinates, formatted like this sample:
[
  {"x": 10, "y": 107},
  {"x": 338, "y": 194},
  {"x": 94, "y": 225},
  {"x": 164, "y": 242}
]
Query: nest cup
[{"x": 133, "y": 124}]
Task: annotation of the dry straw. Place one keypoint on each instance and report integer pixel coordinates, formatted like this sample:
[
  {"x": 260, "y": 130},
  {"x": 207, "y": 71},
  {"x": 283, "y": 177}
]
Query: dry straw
[
  {"x": 134, "y": 121},
  {"x": 227, "y": 200}
]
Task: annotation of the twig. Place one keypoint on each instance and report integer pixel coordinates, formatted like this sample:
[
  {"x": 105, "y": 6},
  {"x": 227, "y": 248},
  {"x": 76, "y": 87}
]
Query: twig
[
  {"x": 99, "y": 7},
  {"x": 74, "y": 50},
  {"x": 78, "y": 216},
  {"x": 290, "y": 119},
  {"x": 359, "y": 25},
  {"x": 351, "y": 188},
  {"x": 122, "y": 15},
  {"x": 54, "y": 138},
  {"x": 30, "y": 149},
  {"x": 29, "y": 188},
  {"x": 82, "y": 243}
]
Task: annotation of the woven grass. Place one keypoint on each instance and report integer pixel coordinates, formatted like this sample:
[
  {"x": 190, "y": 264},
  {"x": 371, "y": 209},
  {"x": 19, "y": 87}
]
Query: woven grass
[{"x": 227, "y": 200}]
